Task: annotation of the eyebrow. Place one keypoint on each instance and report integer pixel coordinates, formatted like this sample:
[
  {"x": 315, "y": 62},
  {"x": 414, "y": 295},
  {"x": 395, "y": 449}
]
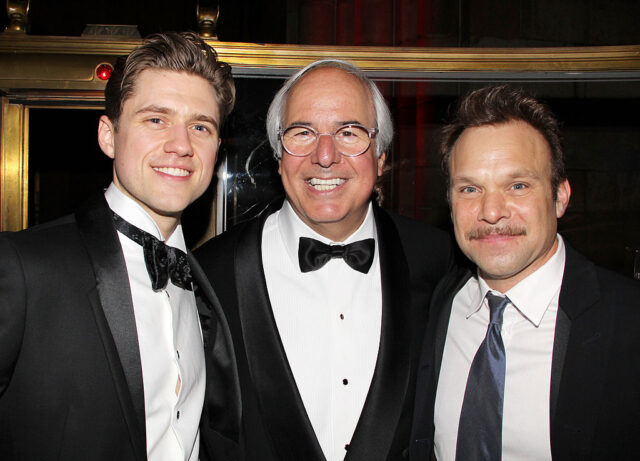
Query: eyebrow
[
  {"x": 338, "y": 124},
  {"x": 152, "y": 108},
  {"x": 511, "y": 176}
]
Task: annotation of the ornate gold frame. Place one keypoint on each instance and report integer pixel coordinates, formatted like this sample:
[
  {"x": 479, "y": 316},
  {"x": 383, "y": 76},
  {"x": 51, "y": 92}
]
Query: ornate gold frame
[{"x": 40, "y": 71}]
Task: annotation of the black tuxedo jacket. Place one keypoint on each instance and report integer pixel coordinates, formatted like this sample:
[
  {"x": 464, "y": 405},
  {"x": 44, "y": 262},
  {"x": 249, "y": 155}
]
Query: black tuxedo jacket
[
  {"x": 275, "y": 426},
  {"x": 70, "y": 374},
  {"x": 595, "y": 372}
]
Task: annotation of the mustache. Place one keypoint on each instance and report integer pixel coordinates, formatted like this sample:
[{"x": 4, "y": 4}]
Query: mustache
[{"x": 495, "y": 230}]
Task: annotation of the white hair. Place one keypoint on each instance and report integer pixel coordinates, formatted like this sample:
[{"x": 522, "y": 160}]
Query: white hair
[{"x": 275, "y": 115}]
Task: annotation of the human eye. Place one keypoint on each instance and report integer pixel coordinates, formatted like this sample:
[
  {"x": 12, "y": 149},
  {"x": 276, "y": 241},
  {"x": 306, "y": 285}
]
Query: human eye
[
  {"x": 154, "y": 120},
  {"x": 300, "y": 133},
  {"x": 519, "y": 187},
  {"x": 351, "y": 133},
  {"x": 201, "y": 128},
  {"x": 467, "y": 189}
]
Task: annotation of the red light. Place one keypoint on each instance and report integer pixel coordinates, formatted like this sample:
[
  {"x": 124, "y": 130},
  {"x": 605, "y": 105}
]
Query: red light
[{"x": 103, "y": 71}]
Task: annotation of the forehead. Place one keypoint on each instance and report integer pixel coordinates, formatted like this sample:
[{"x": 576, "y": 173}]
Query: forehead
[
  {"x": 329, "y": 93},
  {"x": 153, "y": 85},
  {"x": 497, "y": 148}
]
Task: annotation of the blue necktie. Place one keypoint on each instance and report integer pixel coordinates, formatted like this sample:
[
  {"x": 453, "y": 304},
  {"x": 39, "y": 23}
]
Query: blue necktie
[{"x": 480, "y": 429}]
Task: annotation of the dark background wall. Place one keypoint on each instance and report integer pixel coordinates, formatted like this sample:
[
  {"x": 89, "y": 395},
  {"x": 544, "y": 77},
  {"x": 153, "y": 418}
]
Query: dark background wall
[
  {"x": 601, "y": 126},
  {"x": 477, "y": 23}
]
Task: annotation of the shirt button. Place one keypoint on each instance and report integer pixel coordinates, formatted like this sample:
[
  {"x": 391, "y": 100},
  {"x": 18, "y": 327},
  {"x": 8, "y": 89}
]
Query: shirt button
[
  {"x": 178, "y": 415},
  {"x": 178, "y": 354},
  {"x": 345, "y": 381},
  {"x": 341, "y": 316}
]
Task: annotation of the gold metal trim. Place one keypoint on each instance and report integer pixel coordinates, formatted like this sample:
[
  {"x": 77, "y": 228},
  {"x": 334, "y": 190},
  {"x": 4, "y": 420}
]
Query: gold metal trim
[
  {"x": 14, "y": 174},
  {"x": 208, "y": 20},
  {"x": 18, "y": 14},
  {"x": 388, "y": 59}
]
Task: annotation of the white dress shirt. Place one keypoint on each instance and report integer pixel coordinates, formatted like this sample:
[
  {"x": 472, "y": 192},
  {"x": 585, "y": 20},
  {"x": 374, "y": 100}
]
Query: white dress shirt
[
  {"x": 528, "y": 333},
  {"x": 329, "y": 322},
  {"x": 170, "y": 342}
]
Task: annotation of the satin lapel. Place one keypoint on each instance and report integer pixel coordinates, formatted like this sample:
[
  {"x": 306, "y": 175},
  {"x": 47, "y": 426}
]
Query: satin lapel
[
  {"x": 574, "y": 340},
  {"x": 386, "y": 398},
  {"x": 223, "y": 401},
  {"x": 113, "y": 309},
  {"x": 283, "y": 412}
]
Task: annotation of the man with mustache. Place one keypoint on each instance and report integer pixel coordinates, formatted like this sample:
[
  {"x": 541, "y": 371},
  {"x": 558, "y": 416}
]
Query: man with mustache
[
  {"x": 535, "y": 354},
  {"x": 327, "y": 296}
]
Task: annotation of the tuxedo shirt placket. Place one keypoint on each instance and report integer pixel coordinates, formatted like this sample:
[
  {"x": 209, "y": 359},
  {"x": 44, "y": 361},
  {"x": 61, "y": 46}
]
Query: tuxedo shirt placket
[
  {"x": 170, "y": 344},
  {"x": 329, "y": 323}
]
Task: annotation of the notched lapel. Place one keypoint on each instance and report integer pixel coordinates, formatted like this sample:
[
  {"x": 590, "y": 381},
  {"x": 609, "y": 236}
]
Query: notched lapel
[
  {"x": 431, "y": 361},
  {"x": 441, "y": 305},
  {"x": 113, "y": 310},
  {"x": 283, "y": 412},
  {"x": 581, "y": 344}
]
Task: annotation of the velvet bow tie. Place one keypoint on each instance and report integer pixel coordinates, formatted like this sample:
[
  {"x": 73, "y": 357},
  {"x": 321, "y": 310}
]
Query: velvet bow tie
[
  {"x": 312, "y": 254},
  {"x": 162, "y": 261}
]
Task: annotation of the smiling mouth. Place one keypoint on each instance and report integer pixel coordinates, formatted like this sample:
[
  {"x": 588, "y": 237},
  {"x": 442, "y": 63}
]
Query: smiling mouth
[
  {"x": 172, "y": 171},
  {"x": 325, "y": 184}
]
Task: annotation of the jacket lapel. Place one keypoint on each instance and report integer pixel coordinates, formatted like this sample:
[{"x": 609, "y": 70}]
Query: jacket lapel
[
  {"x": 581, "y": 345},
  {"x": 430, "y": 362},
  {"x": 283, "y": 412},
  {"x": 113, "y": 309},
  {"x": 223, "y": 399},
  {"x": 385, "y": 401}
]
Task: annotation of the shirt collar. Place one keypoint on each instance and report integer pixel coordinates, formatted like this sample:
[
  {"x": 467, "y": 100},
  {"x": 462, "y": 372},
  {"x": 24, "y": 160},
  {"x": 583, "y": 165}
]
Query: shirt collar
[
  {"x": 291, "y": 228},
  {"x": 131, "y": 211},
  {"x": 533, "y": 295}
]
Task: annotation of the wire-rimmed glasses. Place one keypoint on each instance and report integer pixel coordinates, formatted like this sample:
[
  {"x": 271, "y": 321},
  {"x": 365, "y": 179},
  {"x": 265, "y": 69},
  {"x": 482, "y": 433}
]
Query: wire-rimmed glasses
[{"x": 350, "y": 140}]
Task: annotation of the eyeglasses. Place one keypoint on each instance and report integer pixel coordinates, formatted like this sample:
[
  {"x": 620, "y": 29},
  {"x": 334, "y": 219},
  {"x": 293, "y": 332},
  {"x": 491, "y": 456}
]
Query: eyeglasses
[{"x": 350, "y": 140}]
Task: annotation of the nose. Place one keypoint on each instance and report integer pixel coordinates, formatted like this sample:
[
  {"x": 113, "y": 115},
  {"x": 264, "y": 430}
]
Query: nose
[
  {"x": 493, "y": 207},
  {"x": 179, "y": 141},
  {"x": 325, "y": 153}
]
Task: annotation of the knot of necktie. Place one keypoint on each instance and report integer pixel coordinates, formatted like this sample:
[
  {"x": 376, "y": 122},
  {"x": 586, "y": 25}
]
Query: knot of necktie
[
  {"x": 163, "y": 262},
  {"x": 313, "y": 254},
  {"x": 497, "y": 304}
]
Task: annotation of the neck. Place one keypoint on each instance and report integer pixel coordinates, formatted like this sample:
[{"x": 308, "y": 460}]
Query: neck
[{"x": 166, "y": 224}]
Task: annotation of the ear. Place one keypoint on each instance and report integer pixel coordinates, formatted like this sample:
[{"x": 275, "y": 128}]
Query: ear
[
  {"x": 562, "y": 201},
  {"x": 280, "y": 166},
  {"x": 381, "y": 161},
  {"x": 106, "y": 136}
]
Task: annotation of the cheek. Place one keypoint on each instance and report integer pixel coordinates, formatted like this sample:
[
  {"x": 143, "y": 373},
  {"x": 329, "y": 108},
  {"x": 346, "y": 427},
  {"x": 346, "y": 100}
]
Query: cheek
[
  {"x": 290, "y": 167},
  {"x": 462, "y": 214},
  {"x": 209, "y": 156}
]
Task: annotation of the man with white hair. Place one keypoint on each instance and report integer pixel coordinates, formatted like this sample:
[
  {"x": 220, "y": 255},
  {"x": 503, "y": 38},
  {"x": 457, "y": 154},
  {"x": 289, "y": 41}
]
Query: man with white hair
[{"x": 327, "y": 296}]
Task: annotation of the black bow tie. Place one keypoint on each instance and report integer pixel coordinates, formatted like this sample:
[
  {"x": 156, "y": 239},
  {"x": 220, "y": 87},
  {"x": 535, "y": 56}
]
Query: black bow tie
[
  {"x": 162, "y": 261},
  {"x": 312, "y": 254}
]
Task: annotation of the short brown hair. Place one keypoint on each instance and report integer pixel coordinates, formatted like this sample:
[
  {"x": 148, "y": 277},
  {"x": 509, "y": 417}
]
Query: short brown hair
[
  {"x": 180, "y": 52},
  {"x": 495, "y": 105}
]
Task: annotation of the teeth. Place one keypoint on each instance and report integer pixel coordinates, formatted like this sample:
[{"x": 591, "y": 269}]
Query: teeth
[
  {"x": 325, "y": 184},
  {"x": 173, "y": 171}
]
